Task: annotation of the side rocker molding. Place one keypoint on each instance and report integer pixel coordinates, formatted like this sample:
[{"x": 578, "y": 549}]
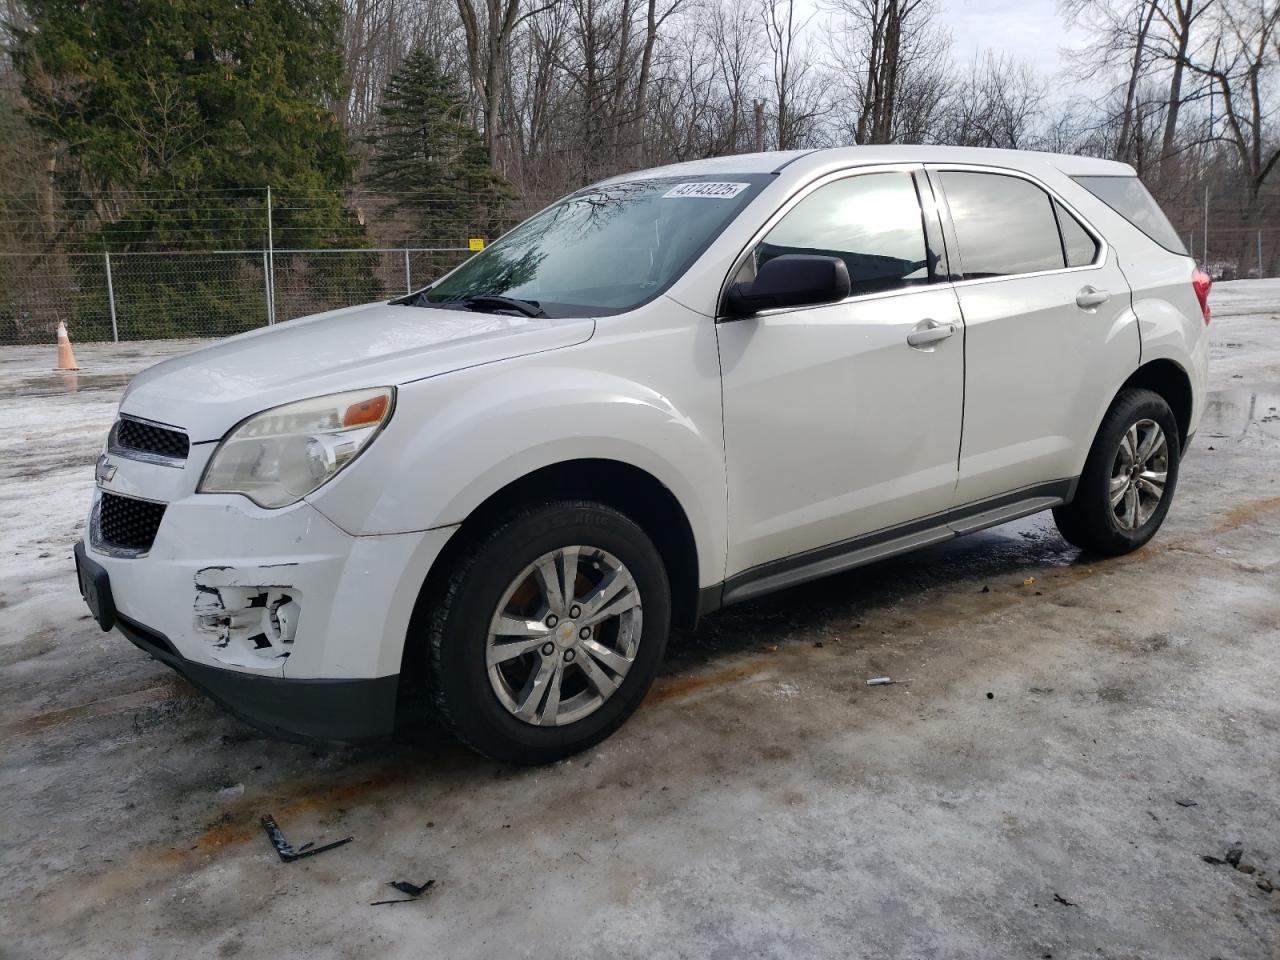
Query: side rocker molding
[{"x": 888, "y": 542}]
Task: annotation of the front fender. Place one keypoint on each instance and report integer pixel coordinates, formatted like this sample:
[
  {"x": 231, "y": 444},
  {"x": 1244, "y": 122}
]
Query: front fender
[{"x": 458, "y": 439}]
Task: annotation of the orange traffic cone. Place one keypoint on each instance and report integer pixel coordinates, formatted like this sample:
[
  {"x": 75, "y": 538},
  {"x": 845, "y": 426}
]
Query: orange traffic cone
[{"x": 66, "y": 357}]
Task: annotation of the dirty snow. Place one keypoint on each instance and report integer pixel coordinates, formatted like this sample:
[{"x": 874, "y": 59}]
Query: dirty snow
[
  {"x": 1066, "y": 754},
  {"x": 52, "y": 428}
]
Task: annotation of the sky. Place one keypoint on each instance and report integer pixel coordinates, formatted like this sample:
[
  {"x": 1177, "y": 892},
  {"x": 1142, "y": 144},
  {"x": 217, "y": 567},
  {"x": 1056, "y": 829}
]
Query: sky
[{"x": 1032, "y": 30}]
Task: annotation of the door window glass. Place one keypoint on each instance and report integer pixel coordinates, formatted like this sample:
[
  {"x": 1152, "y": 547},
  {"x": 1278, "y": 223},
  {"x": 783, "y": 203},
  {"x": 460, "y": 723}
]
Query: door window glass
[
  {"x": 1077, "y": 242},
  {"x": 1004, "y": 225},
  {"x": 872, "y": 222}
]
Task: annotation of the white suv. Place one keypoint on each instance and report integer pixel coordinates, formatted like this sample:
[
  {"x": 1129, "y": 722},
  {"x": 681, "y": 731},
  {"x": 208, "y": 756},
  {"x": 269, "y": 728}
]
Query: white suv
[{"x": 668, "y": 392}]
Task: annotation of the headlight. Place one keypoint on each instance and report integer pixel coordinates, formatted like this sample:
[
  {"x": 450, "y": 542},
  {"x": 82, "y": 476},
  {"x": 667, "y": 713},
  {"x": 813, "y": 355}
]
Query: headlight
[{"x": 277, "y": 457}]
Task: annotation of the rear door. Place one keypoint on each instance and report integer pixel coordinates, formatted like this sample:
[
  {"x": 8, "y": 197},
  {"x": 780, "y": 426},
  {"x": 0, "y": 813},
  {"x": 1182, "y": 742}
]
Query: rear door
[
  {"x": 835, "y": 424},
  {"x": 1048, "y": 330}
]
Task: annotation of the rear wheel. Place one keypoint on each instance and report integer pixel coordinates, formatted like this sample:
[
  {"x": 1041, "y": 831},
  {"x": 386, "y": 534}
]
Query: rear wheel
[
  {"x": 548, "y": 633},
  {"x": 1128, "y": 479}
]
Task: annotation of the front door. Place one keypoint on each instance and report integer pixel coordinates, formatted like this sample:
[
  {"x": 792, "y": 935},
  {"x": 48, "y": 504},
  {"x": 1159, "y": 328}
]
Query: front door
[{"x": 836, "y": 425}]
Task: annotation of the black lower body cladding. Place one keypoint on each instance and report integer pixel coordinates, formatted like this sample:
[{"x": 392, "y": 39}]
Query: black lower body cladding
[{"x": 308, "y": 711}]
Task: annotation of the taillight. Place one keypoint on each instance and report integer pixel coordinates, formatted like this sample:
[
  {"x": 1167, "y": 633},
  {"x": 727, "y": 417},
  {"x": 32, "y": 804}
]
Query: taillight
[{"x": 1201, "y": 282}]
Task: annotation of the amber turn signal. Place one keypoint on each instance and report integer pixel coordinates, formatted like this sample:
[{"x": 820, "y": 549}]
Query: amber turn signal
[{"x": 366, "y": 412}]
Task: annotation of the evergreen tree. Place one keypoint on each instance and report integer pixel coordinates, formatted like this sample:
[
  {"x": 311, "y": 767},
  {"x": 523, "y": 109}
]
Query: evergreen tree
[
  {"x": 428, "y": 158},
  {"x": 170, "y": 117},
  {"x": 181, "y": 97}
]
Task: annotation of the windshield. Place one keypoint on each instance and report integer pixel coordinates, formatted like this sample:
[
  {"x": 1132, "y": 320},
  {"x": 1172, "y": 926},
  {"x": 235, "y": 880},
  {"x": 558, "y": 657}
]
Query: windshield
[{"x": 603, "y": 250}]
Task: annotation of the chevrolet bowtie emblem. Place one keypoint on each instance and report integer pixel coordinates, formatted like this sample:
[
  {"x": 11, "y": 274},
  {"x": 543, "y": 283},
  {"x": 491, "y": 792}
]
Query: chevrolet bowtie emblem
[{"x": 106, "y": 470}]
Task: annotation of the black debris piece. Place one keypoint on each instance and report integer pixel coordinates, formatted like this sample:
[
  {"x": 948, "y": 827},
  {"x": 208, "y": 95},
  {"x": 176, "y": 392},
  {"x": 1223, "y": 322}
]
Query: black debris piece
[
  {"x": 1065, "y": 902},
  {"x": 1213, "y": 861},
  {"x": 1185, "y": 803},
  {"x": 414, "y": 891},
  {"x": 286, "y": 851},
  {"x": 1233, "y": 856}
]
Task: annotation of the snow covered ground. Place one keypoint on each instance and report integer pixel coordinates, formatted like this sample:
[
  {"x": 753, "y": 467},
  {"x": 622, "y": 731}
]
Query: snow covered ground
[
  {"x": 52, "y": 428},
  {"x": 1078, "y": 734}
]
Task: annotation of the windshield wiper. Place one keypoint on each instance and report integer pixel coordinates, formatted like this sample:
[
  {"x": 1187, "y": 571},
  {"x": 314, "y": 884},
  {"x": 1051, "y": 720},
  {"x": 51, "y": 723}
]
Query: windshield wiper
[{"x": 529, "y": 308}]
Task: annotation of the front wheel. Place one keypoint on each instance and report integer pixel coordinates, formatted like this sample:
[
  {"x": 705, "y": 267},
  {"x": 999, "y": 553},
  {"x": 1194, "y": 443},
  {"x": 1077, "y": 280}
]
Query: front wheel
[
  {"x": 548, "y": 633},
  {"x": 1128, "y": 479}
]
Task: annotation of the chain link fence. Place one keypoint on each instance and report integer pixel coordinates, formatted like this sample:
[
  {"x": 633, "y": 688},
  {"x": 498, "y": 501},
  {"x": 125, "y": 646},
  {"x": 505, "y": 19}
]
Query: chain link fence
[
  {"x": 1236, "y": 253},
  {"x": 159, "y": 295},
  {"x": 144, "y": 294},
  {"x": 144, "y": 265}
]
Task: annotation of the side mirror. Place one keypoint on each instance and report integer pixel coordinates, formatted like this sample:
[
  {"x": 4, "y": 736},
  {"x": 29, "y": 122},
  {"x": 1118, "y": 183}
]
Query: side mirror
[{"x": 792, "y": 280}]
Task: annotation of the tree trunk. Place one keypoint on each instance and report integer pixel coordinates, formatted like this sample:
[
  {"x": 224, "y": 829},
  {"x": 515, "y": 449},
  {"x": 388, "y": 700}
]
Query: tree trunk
[{"x": 1140, "y": 43}]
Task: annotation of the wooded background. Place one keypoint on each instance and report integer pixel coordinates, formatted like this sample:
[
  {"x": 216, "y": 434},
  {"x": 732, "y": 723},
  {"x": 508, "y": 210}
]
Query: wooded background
[{"x": 129, "y": 128}]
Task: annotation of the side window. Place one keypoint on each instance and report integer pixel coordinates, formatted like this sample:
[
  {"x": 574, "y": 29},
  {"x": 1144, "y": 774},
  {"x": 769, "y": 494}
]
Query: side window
[
  {"x": 1080, "y": 247},
  {"x": 1004, "y": 225},
  {"x": 872, "y": 222},
  {"x": 1129, "y": 198}
]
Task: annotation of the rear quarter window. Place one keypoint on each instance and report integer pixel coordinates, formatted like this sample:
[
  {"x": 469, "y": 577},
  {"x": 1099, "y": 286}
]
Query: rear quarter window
[{"x": 1128, "y": 196}]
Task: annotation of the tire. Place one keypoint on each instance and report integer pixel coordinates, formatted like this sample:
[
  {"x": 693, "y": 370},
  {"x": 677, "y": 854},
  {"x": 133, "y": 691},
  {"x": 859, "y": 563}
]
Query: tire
[
  {"x": 1090, "y": 521},
  {"x": 498, "y": 573}
]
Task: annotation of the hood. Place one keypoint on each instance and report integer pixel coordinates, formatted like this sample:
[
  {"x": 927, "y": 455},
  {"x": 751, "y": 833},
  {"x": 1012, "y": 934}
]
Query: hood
[{"x": 211, "y": 389}]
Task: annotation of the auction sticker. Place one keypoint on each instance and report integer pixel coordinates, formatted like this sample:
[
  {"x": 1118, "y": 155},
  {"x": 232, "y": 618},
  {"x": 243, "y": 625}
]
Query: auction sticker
[{"x": 706, "y": 189}]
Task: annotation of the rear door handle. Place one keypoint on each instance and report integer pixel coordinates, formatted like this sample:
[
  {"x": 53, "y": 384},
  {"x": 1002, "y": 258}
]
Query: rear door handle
[
  {"x": 929, "y": 332},
  {"x": 1090, "y": 297}
]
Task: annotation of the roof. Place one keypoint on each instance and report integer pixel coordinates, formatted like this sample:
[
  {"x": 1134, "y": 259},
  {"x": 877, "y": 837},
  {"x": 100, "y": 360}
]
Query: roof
[
  {"x": 809, "y": 161},
  {"x": 767, "y": 162}
]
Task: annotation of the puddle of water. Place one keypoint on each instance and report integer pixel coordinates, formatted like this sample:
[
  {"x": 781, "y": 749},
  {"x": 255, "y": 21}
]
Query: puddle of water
[
  {"x": 65, "y": 381},
  {"x": 1240, "y": 412}
]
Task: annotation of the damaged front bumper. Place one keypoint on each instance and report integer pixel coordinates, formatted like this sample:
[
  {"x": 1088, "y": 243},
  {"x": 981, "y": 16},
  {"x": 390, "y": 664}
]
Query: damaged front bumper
[
  {"x": 306, "y": 710},
  {"x": 293, "y": 624}
]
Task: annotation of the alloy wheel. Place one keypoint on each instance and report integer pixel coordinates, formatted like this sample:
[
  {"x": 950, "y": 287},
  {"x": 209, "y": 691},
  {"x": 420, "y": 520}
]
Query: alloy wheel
[
  {"x": 564, "y": 635},
  {"x": 1138, "y": 474}
]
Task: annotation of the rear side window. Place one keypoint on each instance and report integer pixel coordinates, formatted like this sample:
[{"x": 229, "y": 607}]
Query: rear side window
[
  {"x": 1004, "y": 225},
  {"x": 1128, "y": 197},
  {"x": 1078, "y": 244},
  {"x": 872, "y": 222}
]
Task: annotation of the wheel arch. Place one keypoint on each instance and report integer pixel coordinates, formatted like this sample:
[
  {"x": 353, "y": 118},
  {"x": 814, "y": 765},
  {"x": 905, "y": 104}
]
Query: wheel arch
[
  {"x": 1172, "y": 382},
  {"x": 625, "y": 487}
]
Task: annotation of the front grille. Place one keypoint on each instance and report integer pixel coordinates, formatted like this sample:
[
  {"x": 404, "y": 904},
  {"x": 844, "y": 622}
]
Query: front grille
[
  {"x": 148, "y": 438},
  {"x": 128, "y": 523}
]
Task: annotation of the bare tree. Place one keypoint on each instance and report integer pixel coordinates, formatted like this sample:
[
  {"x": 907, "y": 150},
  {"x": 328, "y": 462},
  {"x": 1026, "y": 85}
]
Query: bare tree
[
  {"x": 1143, "y": 13},
  {"x": 737, "y": 62},
  {"x": 877, "y": 43},
  {"x": 1179, "y": 17},
  {"x": 488, "y": 32},
  {"x": 1151, "y": 41},
  {"x": 1243, "y": 68},
  {"x": 892, "y": 63},
  {"x": 796, "y": 101},
  {"x": 997, "y": 104}
]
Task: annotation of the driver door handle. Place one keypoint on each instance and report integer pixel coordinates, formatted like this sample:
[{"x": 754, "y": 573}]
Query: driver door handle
[
  {"x": 1090, "y": 297},
  {"x": 929, "y": 332}
]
